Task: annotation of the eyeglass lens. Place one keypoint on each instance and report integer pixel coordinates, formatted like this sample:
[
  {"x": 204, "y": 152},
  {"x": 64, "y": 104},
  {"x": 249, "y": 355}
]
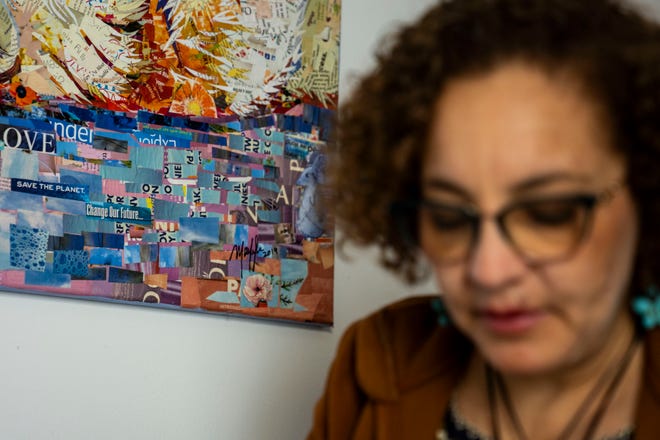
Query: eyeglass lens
[{"x": 539, "y": 230}]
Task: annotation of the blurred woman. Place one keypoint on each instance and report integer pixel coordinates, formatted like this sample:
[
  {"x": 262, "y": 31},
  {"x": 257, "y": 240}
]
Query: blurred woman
[{"x": 514, "y": 145}]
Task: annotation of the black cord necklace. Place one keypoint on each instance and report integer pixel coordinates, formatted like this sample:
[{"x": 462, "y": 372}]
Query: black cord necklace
[{"x": 495, "y": 383}]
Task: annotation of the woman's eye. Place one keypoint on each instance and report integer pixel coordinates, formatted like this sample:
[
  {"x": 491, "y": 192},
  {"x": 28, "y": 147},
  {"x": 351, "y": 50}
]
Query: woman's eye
[
  {"x": 552, "y": 213},
  {"x": 447, "y": 219}
]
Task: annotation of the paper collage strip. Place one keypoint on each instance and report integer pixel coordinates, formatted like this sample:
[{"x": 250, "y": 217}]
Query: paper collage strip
[{"x": 169, "y": 152}]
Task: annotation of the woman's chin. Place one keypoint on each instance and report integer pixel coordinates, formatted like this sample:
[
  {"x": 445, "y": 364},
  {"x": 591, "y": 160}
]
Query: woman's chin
[{"x": 523, "y": 358}]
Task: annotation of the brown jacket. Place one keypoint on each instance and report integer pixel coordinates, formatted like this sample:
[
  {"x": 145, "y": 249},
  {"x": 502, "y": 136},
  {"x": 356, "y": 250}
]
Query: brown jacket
[{"x": 395, "y": 370}]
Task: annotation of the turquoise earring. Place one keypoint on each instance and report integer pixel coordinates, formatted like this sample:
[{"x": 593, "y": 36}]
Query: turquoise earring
[
  {"x": 647, "y": 308},
  {"x": 441, "y": 311}
]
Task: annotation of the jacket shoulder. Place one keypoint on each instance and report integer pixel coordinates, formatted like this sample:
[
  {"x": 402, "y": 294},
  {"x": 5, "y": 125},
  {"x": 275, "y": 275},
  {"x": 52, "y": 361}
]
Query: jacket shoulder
[
  {"x": 402, "y": 346},
  {"x": 397, "y": 350}
]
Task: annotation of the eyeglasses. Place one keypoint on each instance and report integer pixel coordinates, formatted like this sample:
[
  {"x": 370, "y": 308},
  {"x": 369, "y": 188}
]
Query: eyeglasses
[{"x": 540, "y": 230}]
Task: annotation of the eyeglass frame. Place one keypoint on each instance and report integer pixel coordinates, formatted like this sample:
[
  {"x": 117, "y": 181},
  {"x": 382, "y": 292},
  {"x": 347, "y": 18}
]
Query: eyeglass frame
[{"x": 589, "y": 200}]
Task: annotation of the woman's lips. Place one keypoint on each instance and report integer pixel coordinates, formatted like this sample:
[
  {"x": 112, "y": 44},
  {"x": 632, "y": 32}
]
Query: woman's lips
[{"x": 510, "y": 322}]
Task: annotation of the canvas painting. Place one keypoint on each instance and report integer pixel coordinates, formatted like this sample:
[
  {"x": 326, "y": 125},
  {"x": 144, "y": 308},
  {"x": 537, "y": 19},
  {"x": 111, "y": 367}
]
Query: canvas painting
[{"x": 169, "y": 153}]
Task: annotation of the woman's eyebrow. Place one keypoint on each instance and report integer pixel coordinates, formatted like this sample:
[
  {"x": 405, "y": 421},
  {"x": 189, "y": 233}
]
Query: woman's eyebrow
[
  {"x": 540, "y": 181},
  {"x": 440, "y": 184},
  {"x": 522, "y": 187}
]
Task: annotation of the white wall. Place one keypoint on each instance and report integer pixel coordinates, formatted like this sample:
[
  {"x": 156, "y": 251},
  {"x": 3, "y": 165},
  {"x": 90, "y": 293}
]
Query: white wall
[
  {"x": 74, "y": 370},
  {"x": 82, "y": 370},
  {"x": 651, "y": 7}
]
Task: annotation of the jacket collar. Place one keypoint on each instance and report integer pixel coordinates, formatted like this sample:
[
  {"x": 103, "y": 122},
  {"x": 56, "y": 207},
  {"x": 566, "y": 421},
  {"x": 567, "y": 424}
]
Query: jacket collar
[
  {"x": 403, "y": 348},
  {"x": 647, "y": 423}
]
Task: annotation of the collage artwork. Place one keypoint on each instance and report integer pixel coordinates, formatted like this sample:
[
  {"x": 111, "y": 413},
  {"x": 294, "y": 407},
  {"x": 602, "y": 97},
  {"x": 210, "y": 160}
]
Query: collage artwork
[{"x": 169, "y": 152}]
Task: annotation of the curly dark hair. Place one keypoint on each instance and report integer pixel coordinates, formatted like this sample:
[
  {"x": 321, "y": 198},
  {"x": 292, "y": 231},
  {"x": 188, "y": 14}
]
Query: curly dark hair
[{"x": 612, "y": 50}]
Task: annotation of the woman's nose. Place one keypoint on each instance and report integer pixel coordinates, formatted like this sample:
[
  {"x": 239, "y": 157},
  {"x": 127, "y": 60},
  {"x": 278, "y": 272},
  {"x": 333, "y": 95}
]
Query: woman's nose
[{"x": 493, "y": 263}]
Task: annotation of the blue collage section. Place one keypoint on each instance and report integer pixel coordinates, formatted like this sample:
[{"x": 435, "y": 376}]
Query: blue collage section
[
  {"x": 134, "y": 174},
  {"x": 151, "y": 237},
  {"x": 269, "y": 216},
  {"x": 236, "y": 142},
  {"x": 295, "y": 275},
  {"x": 164, "y": 209},
  {"x": 211, "y": 139},
  {"x": 148, "y": 157},
  {"x": 137, "y": 187},
  {"x": 132, "y": 254},
  {"x": 67, "y": 242},
  {"x": 71, "y": 262},
  {"x": 320, "y": 117},
  {"x": 181, "y": 171},
  {"x": 121, "y": 198},
  {"x": 97, "y": 274},
  {"x": 162, "y": 137},
  {"x": 75, "y": 132},
  {"x": 113, "y": 141},
  {"x": 21, "y": 135},
  {"x": 264, "y": 250},
  {"x": 73, "y": 242},
  {"x": 224, "y": 297},
  {"x": 205, "y": 180},
  {"x": 105, "y": 256},
  {"x": 271, "y": 172},
  {"x": 258, "y": 174},
  {"x": 49, "y": 279},
  {"x": 298, "y": 148},
  {"x": 48, "y": 189},
  {"x": 93, "y": 182},
  {"x": 204, "y": 230},
  {"x": 20, "y": 123},
  {"x": 75, "y": 224},
  {"x": 66, "y": 149},
  {"x": 270, "y": 135},
  {"x": 117, "y": 163},
  {"x": 46, "y": 221},
  {"x": 235, "y": 156},
  {"x": 241, "y": 235},
  {"x": 73, "y": 207},
  {"x": 98, "y": 239},
  {"x": 172, "y": 121},
  {"x": 113, "y": 212},
  {"x": 149, "y": 252},
  {"x": 258, "y": 122},
  {"x": 268, "y": 185},
  {"x": 117, "y": 275},
  {"x": 115, "y": 121},
  {"x": 78, "y": 113},
  {"x": 167, "y": 257},
  {"x": 26, "y": 202},
  {"x": 232, "y": 169},
  {"x": 27, "y": 248},
  {"x": 190, "y": 157},
  {"x": 224, "y": 184},
  {"x": 203, "y": 195},
  {"x": 18, "y": 163}
]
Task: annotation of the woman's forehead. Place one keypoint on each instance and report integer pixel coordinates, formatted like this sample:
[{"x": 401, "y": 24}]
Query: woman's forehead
[{"x": 516, "y": 122}]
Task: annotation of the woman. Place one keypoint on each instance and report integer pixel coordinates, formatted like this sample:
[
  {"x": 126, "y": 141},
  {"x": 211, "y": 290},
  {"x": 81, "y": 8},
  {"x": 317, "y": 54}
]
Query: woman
[{"x": 515, "y": 145}]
